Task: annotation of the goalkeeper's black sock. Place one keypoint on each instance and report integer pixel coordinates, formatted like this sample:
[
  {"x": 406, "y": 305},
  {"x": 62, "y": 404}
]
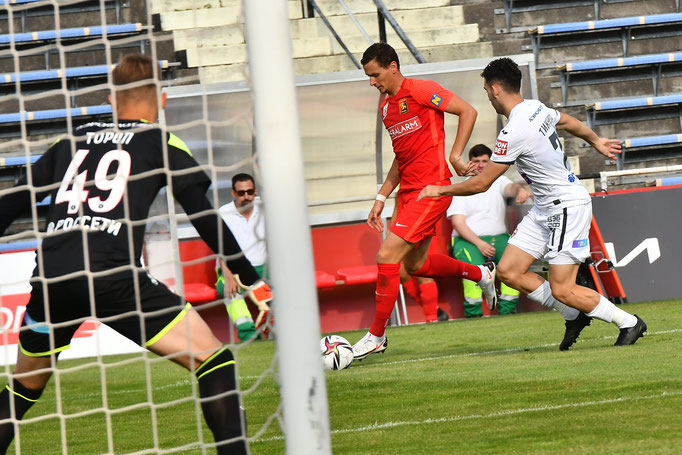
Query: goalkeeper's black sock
[
  {"x": 220, "y": 402},
  {"x": 23, "y": 399}
]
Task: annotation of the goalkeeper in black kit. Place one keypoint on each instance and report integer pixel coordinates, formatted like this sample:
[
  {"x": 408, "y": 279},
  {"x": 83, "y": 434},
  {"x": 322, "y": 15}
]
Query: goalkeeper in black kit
[{"x": 102, "y": 184}]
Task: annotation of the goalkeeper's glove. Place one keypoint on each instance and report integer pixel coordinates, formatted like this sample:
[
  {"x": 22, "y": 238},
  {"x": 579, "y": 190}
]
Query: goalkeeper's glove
[
  {"x": 260, "y": 294},
  {"x": 220, "y": 281}
]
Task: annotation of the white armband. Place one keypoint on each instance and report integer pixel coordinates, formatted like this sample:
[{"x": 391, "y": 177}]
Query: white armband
[{"x": 381, "y": 197}]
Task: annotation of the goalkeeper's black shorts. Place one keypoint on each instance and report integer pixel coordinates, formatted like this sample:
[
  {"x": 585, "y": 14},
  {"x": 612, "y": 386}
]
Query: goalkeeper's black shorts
[{"x": 142, "y": 312}]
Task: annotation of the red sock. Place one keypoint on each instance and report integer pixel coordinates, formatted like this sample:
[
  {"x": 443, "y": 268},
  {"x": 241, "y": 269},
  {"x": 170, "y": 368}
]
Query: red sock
[
  {"x": 411, "y": 288},
  {"x": 388, "y": 288},
  {"x": 429, "y": 300},
  {"x": 441, "y": 266}
]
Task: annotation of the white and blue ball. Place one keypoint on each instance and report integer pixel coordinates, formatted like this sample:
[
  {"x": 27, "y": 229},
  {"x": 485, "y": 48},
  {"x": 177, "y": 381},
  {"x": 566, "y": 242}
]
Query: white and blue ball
[{"x": 337, "y": 352}]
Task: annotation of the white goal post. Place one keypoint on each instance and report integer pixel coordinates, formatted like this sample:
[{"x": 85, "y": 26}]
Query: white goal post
[{"x": 280, "y": 160}]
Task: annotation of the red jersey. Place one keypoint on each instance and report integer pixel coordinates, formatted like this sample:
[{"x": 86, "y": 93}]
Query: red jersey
[{"x": 414, "y": 118}]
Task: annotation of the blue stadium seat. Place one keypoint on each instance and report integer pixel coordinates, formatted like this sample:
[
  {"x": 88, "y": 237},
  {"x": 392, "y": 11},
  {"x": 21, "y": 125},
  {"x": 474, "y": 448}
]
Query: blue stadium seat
[
  {"x": 525, "y": 6},
  {"x": 18, "y": 246},
  {"x": 81, "y": 71},
  {"x": 667, "y": 181},
  {"x": 51, "y": 121},
  {"x": 53, "y": 114},
  {"x": 31, "y": 8},
  {"x": 634, "y": 110},
  {"x": 76, "y": 78},
  {"x": 68, "y": 33},
  {"x": 622, "y": 29},
  {"x": 650, "y": 148},
  {"x": 649, "y": 141},
  {"x": 18, "y": 160},
  {"x": 652, "y": 66}
]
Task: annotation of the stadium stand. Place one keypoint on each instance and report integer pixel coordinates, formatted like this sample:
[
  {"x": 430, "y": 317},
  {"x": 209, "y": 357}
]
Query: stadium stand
[
  {"x": 48, "y": 121},
  {"x": 634, "y": 110},
  {"x": 31, "y": 39},
  {"x": 623, "y": 29},
  {"x": 76, "y": 78},
  {"x": 650, "y": 148},
  {"x": 524, "y": 6},
  {"x": 588, "y": 72},
  {"x": 214, "y": 43},
  {"x": 43, "y": 8}
]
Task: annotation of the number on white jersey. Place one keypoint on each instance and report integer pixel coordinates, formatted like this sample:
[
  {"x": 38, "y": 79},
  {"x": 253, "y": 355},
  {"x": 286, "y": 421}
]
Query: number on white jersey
[{"x": 115, "y": 184}]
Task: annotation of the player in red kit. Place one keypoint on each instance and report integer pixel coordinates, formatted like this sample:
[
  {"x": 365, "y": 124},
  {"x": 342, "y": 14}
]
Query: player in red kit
[{"x": 413, "y": 114}]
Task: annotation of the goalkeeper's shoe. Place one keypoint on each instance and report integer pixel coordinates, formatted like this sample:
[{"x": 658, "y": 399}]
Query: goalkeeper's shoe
[
  {"x": 573, "y": 329},
  {"x": 631, "y": 334},
  {"x": 487, "y": 284},
  {"x": 367, "y": 346}
]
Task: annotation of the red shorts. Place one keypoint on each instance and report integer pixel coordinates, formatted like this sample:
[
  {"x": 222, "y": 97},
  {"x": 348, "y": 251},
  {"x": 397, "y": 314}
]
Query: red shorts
[{"x": 418, "y": 220}]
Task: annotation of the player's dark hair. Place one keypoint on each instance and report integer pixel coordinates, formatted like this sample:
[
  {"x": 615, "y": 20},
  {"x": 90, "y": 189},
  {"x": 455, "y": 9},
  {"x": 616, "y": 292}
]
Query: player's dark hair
[
  {"x": 242, "y": 177},
  {"x": 383, "y": 53},
  {"x": 480, "y": 150},
  {"x": 134, "y": 68},
  {"x": 503, "y": 71}
]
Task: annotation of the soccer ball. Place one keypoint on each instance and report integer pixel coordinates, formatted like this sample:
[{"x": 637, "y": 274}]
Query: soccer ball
[{"x": 337, "y": 353}]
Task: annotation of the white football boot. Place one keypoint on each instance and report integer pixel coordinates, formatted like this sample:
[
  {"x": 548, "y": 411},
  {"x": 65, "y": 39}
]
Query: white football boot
[
  {"x": 367, "y": 345},
  {"x": 487, "y": 284}
]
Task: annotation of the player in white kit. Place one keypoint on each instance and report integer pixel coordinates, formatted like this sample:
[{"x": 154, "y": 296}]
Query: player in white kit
[{"x": 557, "y": 227}]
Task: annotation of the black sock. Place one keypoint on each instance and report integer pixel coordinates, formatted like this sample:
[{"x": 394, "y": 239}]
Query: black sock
[
  {"x": 23, "y": 399},
  {"x": 223, "y": 414}
]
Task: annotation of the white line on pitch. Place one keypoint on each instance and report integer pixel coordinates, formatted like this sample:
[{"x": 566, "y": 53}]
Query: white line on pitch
[{"x": 378, "y": 426}]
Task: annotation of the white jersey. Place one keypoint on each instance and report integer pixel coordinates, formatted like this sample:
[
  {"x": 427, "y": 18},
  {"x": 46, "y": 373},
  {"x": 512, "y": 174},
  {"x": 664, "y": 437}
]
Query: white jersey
[
  {"x": 485, "y": 212},
  {"x": 530, "y": 140}
]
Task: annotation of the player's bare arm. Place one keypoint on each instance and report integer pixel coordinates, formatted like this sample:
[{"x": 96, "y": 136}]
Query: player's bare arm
[
  {"x": 518, "y": 191},
  {"x": 607, "y": 147},
  {"x": 476, "y": 184},
  {"x": 392, "y": 180},
  {"x": 467, "y": 118},
  {"x": 460, "y": 225}
]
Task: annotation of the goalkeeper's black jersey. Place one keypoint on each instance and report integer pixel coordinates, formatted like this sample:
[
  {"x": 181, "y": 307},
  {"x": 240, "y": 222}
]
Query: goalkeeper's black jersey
[{"x": 102, "y": 185}]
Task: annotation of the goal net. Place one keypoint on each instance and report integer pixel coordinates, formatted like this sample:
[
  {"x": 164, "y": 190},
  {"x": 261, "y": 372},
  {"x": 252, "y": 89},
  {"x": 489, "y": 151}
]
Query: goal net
[{"x": 106, "y": 394}]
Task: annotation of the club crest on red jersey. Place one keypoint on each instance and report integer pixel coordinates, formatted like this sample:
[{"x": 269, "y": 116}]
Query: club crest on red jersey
[
  {"x": 436, "y": 100},
  {"x": 501, "y": 147},
  {"x": 384, "y": 111},
  {"x": 403, "y": 105}
]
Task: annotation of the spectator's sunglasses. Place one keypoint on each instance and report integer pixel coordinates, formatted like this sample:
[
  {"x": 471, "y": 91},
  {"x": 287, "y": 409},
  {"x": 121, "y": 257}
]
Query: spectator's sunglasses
[{"x": 250, "y": 192}]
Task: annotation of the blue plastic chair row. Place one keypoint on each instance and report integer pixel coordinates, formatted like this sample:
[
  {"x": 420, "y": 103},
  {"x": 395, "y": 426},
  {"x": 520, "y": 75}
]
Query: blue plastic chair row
[
  {"x": 54, "y": 114},
  {"x": 650, "y": 141},
  {"x": 622, "y": 62},
  {"x": 636, "y": 102},
  {"x": 79, "y": 32},
  {"x": 80, "y": 71},
  {"x": 606, "y": 23}
]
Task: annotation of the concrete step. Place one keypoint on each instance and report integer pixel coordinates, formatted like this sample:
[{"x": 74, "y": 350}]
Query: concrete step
[
  {"x": 167, "y": 6},
  {"x": 333, "y": 8},
  {"x": 341, "y": 62},
  {"x": 453, "y": 35},
  {"x": 326, "y": 46},
  {"x": 414, "y": 19},
  {"x": 233, "y": 35},
  {"x": 214, "y": 17},
  {"x": 332, "y": 63},
  {"x": 208, "y": 37}
]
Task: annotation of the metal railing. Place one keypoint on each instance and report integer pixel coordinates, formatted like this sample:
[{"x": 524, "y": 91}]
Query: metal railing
[{"x": 383, "y": 14}]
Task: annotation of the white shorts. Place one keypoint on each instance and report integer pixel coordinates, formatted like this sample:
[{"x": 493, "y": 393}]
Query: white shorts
[{"x": 560, "y": 236}]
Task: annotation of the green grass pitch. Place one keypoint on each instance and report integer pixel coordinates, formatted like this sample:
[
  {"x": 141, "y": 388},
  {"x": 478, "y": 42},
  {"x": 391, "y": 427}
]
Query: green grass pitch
[{"x": 495, "y": 385}]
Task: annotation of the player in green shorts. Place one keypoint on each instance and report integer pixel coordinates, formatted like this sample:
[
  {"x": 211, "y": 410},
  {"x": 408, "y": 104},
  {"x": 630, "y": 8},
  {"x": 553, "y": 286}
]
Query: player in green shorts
[{"x": 481, "y": 232}]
